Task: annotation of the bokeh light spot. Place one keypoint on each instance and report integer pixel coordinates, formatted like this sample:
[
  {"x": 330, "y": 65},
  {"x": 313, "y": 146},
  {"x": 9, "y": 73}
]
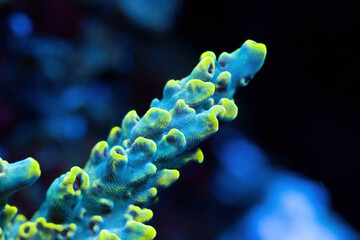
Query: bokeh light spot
[{"x": 20, "y": 24}]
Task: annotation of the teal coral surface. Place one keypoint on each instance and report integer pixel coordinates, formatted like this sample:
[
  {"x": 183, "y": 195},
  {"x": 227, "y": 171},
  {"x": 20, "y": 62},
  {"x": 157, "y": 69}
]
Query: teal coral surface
[{"x": 108, "y": 198}]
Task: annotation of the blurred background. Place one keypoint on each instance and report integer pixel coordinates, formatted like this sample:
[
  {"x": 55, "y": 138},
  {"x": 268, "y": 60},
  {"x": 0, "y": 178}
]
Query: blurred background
[{"x": 286, "y": 168}]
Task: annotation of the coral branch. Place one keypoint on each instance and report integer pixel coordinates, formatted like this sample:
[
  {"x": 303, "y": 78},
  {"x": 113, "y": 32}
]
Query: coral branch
[{"x": 106, "y": 199}]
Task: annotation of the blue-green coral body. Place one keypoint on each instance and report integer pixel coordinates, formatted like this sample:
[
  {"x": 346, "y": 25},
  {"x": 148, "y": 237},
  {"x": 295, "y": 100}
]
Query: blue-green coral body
[{"x": 106, "y": 199}]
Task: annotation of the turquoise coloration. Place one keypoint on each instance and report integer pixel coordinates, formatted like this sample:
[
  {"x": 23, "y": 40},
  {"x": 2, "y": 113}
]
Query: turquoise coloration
[
  {"x": 16, "y": 176},
  {"x": 106, "y": 199}
]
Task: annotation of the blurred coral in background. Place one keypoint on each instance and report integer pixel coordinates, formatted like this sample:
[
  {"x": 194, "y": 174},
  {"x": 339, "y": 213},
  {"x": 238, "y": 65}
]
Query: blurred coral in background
[{"x": 282, "y": 204}]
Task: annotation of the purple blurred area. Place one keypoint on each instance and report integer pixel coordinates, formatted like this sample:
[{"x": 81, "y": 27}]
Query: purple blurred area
[{"x": 70, "y": 70}]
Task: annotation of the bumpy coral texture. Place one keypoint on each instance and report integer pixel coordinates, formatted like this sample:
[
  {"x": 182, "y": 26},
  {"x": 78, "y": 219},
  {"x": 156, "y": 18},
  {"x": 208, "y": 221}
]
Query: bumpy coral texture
[{"x": 107, "y": 198}]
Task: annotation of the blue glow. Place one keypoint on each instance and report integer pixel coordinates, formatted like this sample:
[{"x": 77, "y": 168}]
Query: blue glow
[
  {"x": 243, "y": 171},
  {"x": 94, "y": 56},
  {"x": 75, "y": 127},
  {"x": 74, "y": 97},
  {"x": 231, "y": 191},
  {"x": 294, "y": 209},
  {"x": 53, "y": 69},
  {"x": 72, "y": 127},
  {"x": 46, "y": 47},
  {"x": 99, "y": 100},
  {"x": 20, "y": 24},
  {"x": 156, "y": 15},
  {"x": 241, "y": 158}
]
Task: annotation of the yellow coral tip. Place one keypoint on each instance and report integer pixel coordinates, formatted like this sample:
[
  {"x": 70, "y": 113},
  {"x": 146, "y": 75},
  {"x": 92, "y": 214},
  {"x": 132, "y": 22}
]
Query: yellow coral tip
[
  {"x": 255, "y": 46},
  {"x": 208, "y": 54},
  {"x": 34, "y": 168}
]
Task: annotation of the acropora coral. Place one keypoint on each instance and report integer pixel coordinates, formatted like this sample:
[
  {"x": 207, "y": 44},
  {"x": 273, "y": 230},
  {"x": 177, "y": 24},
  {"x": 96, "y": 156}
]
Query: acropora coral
[{"x": 107, "y": 199}]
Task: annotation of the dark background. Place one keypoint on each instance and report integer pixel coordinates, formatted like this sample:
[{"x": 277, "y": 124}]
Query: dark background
[{"x": 301, "y": 108}]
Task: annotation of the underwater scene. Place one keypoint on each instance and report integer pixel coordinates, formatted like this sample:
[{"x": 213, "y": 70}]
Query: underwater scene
[{"x": 179, "y": 120}]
